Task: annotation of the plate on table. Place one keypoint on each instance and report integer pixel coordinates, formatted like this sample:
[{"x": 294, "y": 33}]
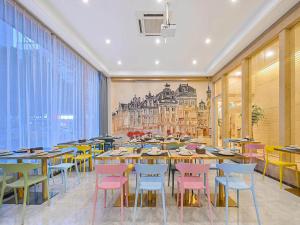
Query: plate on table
[
  {"x": 54, "y": 150},
  {"x": 117, "y": 153},
  {"x": 226, "y": 153},
  {"x": 4, "y": 153},
  {"x": 154, "y": 152},
  {"x": 185, "y": 153}
]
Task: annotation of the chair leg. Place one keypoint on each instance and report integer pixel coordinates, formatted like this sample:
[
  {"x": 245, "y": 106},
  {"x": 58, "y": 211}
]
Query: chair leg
[
  {"x": 135, "y": 203},
  {"x": 65, "y": 178},
  {"x": 178, "y": 191},
  {"x": 127, "y": 193},
  {"x": 122, "y": 204},
  {"x": 77, "y": 173},
  {"x": 164, "y": 205},
  {"x": 280, "y": 176},
  {"x": 181, "y": 204},
  {"x": 297, "y": 176},
  {"x": 216, "y": 193},
  {"x": 209, "y": 204},
  {"x": 226, "y": 209},
  {"x": 28, "y": 195},
  {"x": 237, "y": 198},
  {"x": 24, "y": 205},
  {"x": 16, "y": 196},
  {"x": 173, "y": 175},
  {"x": 95, "y": 202},
  {"x": 256, "y": 206},
  {"x": 2, "y": 194},
  {"x": 169, "y": 176},
  {"x": 265, "y": 169},
  {"x": 141, "y": 198},
  {"x": 84, "y": 166}
]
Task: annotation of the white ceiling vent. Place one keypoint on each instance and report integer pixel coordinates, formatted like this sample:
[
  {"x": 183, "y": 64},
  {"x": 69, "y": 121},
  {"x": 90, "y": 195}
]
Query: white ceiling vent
[{"x": 149, "y": 23}]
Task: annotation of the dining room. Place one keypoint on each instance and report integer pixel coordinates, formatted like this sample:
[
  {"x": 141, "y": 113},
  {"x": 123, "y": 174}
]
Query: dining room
[{"x": 150, "y": 112}]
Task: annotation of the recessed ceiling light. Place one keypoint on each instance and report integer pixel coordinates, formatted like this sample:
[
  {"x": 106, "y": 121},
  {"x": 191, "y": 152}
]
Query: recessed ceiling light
[
  {"x": 207, "y": 41},
  {"x": 194, "y": 62},
  {"x": 238, "y": 73},
  {"x": 234, "y": 1},
  {"x": 157, "y": 41},
  {"x": 159, "y": 1},
  {"x": 108, "y": 41},
  {"x": 85, "y": 1},
  {"x": 119, "y": 62},
  {"x": 156, "y": 62},
  {"x": 269, "y": 53}
]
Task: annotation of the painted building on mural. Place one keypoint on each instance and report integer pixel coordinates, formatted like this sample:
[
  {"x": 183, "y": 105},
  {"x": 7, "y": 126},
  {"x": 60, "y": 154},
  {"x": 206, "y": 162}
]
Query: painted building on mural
[{"x": 168, "y": 112}]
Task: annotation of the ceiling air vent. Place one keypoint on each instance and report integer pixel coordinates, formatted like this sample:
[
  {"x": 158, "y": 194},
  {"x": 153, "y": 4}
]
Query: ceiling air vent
[{"x": 150, "y": 23}]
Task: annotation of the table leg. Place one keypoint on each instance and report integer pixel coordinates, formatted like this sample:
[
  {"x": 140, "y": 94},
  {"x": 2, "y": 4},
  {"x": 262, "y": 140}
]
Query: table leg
[
  {"x": 20, "y": 190},
  {"x": 221, "y": 197},
  {"x": 45, "y": 182},
  {"x": 91, "y": 164}
]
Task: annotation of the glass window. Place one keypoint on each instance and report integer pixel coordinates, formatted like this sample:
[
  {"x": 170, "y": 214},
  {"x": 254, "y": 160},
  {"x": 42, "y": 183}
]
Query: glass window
[
  {"x": 235, "y": 103},
  {"x": 48, "y": 93},
  {"x": 264, "y": 70},
  {"x": 218, "y": 112}
]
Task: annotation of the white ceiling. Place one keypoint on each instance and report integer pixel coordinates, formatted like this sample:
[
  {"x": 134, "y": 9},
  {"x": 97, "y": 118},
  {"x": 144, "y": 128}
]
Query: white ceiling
[{"x": 230, "y": 26}]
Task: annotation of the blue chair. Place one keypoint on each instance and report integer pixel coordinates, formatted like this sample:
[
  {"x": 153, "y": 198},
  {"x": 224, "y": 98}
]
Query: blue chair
[
  {"x": 231, "y": 180},
  {"x": 150, "y": 178},
  {"x": 64, "y": 167}
]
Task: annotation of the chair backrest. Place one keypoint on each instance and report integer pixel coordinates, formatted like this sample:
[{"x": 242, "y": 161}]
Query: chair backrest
[
  {"x": 195, "y": 169},
  {"x": 271, "y": 149},
  {"x": 191, "y": 146},
  {"x": 254, "y": 146},
  {"x": 151, "y": 169},
  {"x": 23, "y": 168},
  {"x": 230, "y": 168},
  {"x": 83, "y": 148},
  {"x": 110, "y": 169}
]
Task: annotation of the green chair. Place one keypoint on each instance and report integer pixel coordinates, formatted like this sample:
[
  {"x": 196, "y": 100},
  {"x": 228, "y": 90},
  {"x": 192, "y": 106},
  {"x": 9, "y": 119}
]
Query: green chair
[{"x": 25, "y": 181}]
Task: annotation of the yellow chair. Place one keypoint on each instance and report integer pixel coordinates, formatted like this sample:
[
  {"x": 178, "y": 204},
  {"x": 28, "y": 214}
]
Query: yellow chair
[
  {"x": 66, "y": 157},
  {"x": 95, "y": 151},
  {"x": 280, "y": 163},
  {"x": 84, "y": 156}
]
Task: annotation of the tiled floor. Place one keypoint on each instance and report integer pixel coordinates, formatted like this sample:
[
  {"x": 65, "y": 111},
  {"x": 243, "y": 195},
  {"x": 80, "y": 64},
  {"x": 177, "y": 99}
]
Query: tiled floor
[{"x": 277, "y": 207}]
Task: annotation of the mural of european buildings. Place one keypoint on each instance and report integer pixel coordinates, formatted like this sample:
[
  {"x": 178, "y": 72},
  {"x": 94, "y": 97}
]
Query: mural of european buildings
[{"x": 170, "y": 111}]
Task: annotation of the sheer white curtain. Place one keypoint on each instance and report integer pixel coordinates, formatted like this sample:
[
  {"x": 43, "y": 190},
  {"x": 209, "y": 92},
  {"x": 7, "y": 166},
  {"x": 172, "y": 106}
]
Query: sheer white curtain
[{"x": 48, "y": 93}]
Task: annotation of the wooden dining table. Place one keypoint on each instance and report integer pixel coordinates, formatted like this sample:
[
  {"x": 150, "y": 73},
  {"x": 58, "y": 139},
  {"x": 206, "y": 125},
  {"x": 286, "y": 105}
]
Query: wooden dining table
[
  {"x": 173, "y": 155},
  {"x": 44, "y": 163}
]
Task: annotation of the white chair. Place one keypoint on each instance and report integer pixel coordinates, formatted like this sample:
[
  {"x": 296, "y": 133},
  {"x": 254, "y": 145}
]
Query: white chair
[{"x": 63, "y": 168}]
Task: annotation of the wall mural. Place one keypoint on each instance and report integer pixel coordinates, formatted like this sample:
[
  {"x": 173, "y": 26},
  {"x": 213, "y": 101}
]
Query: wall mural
[{"x": 172, "y": 108}]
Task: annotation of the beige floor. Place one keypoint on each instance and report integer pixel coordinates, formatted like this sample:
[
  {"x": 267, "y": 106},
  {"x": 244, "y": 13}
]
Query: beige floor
[{"x": 277, "y": 207}]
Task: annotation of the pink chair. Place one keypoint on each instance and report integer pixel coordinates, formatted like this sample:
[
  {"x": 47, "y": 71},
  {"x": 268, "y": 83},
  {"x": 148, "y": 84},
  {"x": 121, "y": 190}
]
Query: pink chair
[
  {"x": 191, "y": 178},
  {"x": 114, "y": 180},
  {"x": 252, "y": 151}
]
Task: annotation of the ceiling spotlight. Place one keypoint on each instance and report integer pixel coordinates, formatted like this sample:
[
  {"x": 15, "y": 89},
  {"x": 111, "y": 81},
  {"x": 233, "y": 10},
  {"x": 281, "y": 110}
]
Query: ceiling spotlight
[
  {"x": 194, "y": 62},
  {"x": 85, "y": 1},
  {"x": 234, "y": 1},
  {"x": 157, "y": 41},
  {"x": 207, "y": 41},
  {"x": 119, "y": 62},
  {"x": 269, "y": 54},
  {"x": 159, "y": 1},
  {"x": 156, "y": 62},
  {"x": 107, "y": 41},
  {"x": 238, "y": 73}
]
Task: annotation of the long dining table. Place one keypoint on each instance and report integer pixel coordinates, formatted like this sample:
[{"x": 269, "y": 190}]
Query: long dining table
[
  {"x": 44, "y": 163},
  {"x": 139, "y": 156}
]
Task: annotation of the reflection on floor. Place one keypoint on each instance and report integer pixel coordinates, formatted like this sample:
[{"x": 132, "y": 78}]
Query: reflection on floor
[{"x": 277, "y": 207}]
